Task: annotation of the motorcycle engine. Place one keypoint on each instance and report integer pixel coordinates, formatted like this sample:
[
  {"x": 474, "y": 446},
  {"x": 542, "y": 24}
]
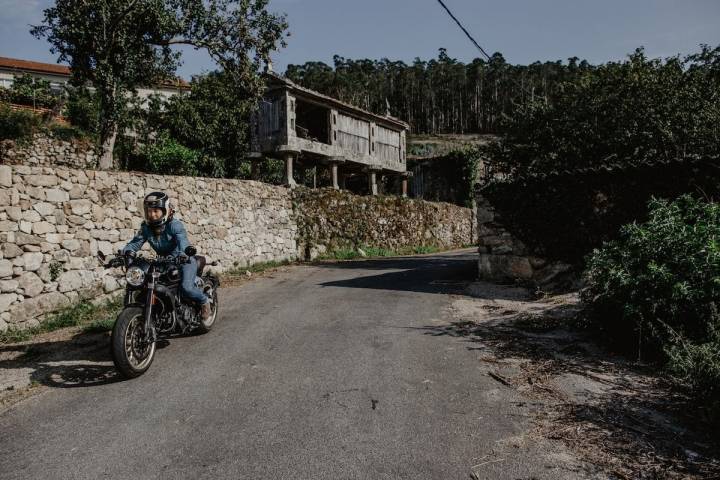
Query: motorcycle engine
[{"x": 186, "y": 313}]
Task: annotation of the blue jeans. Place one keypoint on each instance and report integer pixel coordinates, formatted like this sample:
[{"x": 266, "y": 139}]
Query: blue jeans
[{"x": 187, "y": 287}]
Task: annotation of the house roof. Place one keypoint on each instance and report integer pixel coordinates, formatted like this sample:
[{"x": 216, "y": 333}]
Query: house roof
[
  {"x": 36, "y": 67},
  {"x": 63, "y": 70},
  {"x": 317, "y": 96}
]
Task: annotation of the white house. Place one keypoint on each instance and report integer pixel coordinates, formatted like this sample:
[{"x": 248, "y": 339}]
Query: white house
[{"x": 59, "y": 75}]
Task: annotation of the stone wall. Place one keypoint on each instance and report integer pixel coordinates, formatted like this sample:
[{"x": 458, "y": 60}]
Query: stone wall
[
  {"x": 44, "y": 151},
  {"x": 53, "y": 222},
  {"x": 502, "y": 257},
  {"x": 329, "y": 219}
]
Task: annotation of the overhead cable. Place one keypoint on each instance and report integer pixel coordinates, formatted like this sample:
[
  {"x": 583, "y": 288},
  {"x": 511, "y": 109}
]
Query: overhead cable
[{"x": 464, "y": 30}]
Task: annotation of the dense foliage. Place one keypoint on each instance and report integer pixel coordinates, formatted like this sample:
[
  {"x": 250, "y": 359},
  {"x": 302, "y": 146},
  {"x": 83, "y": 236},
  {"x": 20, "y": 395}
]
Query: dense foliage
[
  {"x": 212, "y": 120},
  {"x": 571, "y": 172},
  {"x": 17, "y": 125},
  {"x": 441, "y": 95},
  {"x": 82, "y": 109},
  {"x": 656, "y": 290},
  {"x": 565, "y": 215},
  {"x": 619, "y": 112},
  {"x": 118, "y": 46},
  {"x": 31, "y": 91},
  {"x": 449, "y": 178}
]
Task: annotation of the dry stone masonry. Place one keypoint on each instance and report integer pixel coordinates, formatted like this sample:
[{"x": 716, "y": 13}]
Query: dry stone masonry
[
  {"x": 330, "y": 219},
  {"x": 53, "y": 221},
  {"x": 45, "y": 150},
  {"x": 503, "y": 257}
]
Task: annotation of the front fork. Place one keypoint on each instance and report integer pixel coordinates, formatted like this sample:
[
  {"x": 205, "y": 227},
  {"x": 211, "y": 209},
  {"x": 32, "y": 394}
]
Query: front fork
[{"x": 149, "y": 302}]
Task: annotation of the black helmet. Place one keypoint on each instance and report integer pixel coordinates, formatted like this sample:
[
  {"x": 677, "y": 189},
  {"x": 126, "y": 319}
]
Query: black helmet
[{"x": 158, "y": 200}]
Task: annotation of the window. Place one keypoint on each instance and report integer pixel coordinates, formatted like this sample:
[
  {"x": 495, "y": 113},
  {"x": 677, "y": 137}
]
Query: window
[{"x": 312, "y": 122}]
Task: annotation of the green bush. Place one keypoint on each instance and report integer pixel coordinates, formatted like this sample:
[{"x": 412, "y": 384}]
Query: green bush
[
  {"x": 169, "y": 157},
  {"x": 31, "y": 91},
  {"x": 66, "y": 132},
  {"x": 655, "y": 290},
  {"x": 17, "y": 125},
  {"x": 82, "y": 109},
  {"x": 618, "y": 112}
]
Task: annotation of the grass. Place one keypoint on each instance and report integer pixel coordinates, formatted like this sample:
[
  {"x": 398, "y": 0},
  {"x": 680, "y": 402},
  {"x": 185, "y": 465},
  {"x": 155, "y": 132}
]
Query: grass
[
  {"x": 238, "y": 271},
  {"x": 92, "y": 318},
  {"x": 375, "y": 252}
]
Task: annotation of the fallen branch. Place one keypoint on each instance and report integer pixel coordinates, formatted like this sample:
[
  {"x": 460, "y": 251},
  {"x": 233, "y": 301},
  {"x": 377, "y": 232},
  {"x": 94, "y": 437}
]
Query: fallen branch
[{"x": 500, "y": 379}]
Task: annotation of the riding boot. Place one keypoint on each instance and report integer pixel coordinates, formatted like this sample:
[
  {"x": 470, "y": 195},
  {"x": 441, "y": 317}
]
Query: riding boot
[{"x": 206, "y": 310}]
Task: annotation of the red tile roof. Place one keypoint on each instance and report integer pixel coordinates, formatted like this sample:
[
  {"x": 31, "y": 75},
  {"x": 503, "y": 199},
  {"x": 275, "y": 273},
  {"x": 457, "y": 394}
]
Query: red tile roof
[
  {"x": 26, "y": 65},
  {"x": 64, "y": 70}
]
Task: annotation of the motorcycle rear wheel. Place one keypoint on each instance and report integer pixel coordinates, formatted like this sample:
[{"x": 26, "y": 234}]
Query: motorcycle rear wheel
[{"x": 131, "y": 355}]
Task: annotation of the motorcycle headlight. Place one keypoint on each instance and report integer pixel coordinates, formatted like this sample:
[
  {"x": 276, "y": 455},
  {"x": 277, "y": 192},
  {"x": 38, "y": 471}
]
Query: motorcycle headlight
[{"x": 134, "y": 276}]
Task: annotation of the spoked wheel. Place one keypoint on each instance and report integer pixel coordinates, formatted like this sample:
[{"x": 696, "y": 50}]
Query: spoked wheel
[
  {"x": 206, "y": 325},
  {"x": 132, "y": 354}
]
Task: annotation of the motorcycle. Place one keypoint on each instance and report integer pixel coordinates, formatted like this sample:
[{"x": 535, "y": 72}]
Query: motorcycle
[{"x": 153, "y": 307}]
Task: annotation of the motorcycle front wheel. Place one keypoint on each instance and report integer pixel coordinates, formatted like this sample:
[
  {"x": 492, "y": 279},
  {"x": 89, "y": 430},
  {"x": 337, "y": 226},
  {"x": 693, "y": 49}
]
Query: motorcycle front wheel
[{"x": 132, "y": 355}]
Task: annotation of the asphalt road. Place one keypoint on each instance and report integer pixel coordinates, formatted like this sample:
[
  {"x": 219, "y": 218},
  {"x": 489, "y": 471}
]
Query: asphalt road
[{"x": 318, "y": 372}]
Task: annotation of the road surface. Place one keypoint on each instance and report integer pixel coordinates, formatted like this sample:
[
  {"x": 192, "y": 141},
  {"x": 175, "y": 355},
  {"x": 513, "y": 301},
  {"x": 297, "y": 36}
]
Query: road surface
[{"x": 331, "y": 371}]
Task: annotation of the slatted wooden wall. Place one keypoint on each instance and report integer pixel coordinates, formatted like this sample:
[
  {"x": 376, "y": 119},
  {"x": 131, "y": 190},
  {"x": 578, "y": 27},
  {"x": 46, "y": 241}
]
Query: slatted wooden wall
[
  {"x": 269, "y": 118},
  {"x": 387, "y": 145},
  {"x": 353, "y": 134}
]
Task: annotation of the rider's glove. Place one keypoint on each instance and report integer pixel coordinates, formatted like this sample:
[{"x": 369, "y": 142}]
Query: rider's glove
[{"x": 182, "y": 258}]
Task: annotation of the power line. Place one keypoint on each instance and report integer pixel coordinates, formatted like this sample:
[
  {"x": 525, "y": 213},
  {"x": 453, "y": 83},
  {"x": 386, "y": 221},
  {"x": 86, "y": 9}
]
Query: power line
[
  {"x": 482, "y": 50},
  {"x": 464, "y": 30}
]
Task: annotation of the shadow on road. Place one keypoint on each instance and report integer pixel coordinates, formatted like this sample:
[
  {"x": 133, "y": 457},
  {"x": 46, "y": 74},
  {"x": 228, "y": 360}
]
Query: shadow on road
[
  {"x": 80, "y": 361},
  {"x": 442, "y": 274}
]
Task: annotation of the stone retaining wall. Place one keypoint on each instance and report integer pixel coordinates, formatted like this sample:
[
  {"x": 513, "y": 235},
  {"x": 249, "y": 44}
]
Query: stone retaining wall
[
  {"x": 330, "y": 219},
  {"x": 45, "y": 151},
  {"x": 503, "y": 257},
  {"x": 54, "y": 221}
]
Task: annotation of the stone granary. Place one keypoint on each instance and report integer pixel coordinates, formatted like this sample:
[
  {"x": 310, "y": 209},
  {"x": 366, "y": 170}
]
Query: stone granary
[{"x": 298, "y": 124}]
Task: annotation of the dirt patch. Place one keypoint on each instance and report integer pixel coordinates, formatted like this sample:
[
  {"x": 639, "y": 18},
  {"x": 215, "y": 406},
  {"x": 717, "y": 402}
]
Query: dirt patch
[{"x": 624, "y": 417}]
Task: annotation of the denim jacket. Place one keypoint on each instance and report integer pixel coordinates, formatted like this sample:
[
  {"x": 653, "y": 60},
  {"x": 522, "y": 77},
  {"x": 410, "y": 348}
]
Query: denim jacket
[{"x": 172, "y": 241}]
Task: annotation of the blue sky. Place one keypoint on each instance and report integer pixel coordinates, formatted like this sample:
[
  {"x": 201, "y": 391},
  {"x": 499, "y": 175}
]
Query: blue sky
[{"x": 523, "y": 30}]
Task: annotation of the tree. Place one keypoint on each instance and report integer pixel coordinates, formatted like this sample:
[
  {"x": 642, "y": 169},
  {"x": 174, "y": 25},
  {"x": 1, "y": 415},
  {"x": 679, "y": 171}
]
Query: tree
[
  {"x": 212, "y": 120},
  {"x": 119, "y": 45},
  {"x": 31, "y": 91}
]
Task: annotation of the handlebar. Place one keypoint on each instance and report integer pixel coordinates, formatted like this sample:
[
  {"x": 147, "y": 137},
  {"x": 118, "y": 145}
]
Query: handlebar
[{"x": 122, "y": 260}]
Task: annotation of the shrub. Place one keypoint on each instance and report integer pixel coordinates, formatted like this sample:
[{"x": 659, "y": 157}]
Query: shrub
[
  {"x": 655, "y": 290},
  {"x": 82, "y": 110},
  {"x": 17, "y": 125},
  {"x": 31, "y": 91},
  {"x": 66, "y": 132},
  {"x": 169, "y": 157}
]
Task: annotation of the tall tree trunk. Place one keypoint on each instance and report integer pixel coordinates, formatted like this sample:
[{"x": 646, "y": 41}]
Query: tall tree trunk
[
  {"x": 107, "y": 146},
  {"x": 108, "y": 127}
]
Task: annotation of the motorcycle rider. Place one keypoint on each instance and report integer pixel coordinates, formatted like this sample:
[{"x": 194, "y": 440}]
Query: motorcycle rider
[{"x": 167, "y": 236}]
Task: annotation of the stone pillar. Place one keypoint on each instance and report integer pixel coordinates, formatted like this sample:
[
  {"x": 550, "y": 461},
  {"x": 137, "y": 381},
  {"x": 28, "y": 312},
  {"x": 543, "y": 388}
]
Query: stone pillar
[
  {"x": 334, "y": 169},
  {"x": 372, "y": 178},
  {"x": 255, "y": 168},
  {"x": 289, "y": 180},
  {"x": 404, "y": 186}
]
